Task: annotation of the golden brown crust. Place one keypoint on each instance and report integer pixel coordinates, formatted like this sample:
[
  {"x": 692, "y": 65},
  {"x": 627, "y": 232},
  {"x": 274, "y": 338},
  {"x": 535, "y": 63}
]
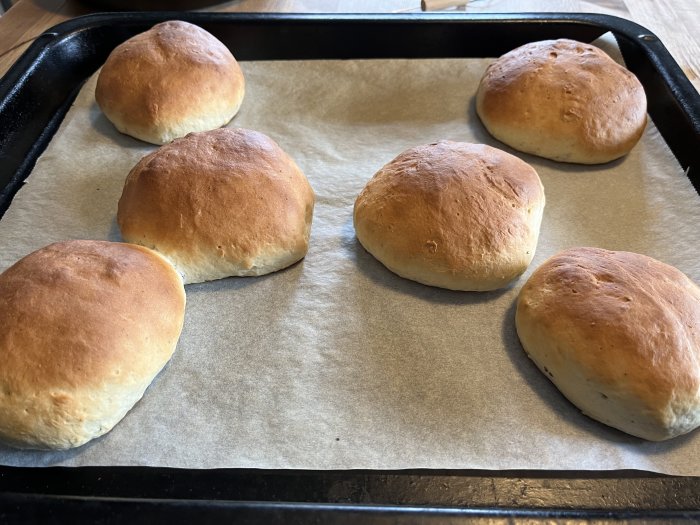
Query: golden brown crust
[
  {"x": 86, "y": 326},
  {"x": 619, "y": 334},
  {"x": 174, "y": 79},
  {"x": 454, "y": 215},
  {"x": 220, "y": 203},
  {"x": 563, "y": 100}
]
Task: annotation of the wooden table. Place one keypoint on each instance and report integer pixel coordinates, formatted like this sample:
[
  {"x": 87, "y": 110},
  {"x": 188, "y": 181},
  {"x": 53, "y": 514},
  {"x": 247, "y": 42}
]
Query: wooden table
[{"x": 675, "y": 22}]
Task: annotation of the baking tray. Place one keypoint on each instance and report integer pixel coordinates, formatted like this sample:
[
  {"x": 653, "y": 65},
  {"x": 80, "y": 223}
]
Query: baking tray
[{"x": 36, "y": 94}]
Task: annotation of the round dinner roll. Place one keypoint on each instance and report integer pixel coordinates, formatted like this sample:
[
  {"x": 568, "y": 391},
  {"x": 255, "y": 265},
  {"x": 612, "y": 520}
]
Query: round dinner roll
[
  {"x": 86, "y": 326},
  {"x": 618, "y": 333},
  {"x": 172, "y": 80},
  {"x": 227, "y": 202},
  {"x": 453, "y": 215},
  {"x": 562, "y": 100}
]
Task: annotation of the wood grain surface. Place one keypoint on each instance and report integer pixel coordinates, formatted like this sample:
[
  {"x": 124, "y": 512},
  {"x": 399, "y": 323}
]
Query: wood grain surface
[{"x": 676, "y": 22}]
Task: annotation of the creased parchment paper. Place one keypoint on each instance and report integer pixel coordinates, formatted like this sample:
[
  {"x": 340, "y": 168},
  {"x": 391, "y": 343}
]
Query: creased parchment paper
[{"x": 336, "y": 363}]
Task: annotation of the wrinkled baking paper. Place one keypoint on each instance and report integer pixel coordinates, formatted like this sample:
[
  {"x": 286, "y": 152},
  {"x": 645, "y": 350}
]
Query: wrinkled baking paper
[{"x": 336, "y": 363}]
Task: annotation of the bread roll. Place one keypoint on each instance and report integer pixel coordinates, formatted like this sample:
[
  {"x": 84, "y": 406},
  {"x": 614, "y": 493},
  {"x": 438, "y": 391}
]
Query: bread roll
[
  {"x": 619, "y": 334},
  {"x": 222, "y": 203},
  {"x": 453, "y": 215},
  {"x": 86, "y": 326},
  {"x": 562, "y": 100},
  {"x": 174, "y": 79}
]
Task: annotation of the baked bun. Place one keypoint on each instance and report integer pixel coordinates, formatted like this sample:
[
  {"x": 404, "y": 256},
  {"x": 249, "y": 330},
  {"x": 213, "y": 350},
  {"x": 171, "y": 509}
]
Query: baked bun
[
  {"x": 562, "y": 100},
  {"x": 221, "y": 203},
  {"x": 454, "y": 215},
  {"x": 619, "y": 334},
  {"x": 86, "y": 326},
  {"x": 169, "y": 81}
]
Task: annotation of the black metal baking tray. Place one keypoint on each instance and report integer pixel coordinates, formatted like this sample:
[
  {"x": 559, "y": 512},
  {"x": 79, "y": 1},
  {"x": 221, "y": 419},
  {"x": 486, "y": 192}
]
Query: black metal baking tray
[{"x": 34, "y": 97}]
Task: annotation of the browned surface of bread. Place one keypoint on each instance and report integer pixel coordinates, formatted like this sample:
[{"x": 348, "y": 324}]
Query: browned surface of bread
[
  {"x": 174, "y": 79},
  {"x": 454, "y": 215},
  {"x": 619, "y": 334},
  {"x": 228, "y": 202},
  {"x": 86, "y": 326},
  {"x": 563, "y": 100}
]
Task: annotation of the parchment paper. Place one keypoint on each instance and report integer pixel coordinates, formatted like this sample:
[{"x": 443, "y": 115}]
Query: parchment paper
[{"x": 336, "y": 363}]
